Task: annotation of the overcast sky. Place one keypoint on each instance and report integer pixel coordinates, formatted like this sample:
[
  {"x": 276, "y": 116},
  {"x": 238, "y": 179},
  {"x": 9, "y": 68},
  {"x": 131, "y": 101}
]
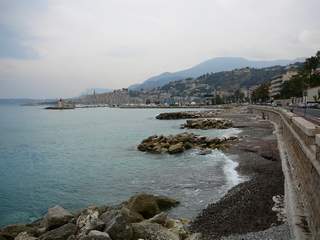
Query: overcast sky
[{"x": 59, "y": 48}]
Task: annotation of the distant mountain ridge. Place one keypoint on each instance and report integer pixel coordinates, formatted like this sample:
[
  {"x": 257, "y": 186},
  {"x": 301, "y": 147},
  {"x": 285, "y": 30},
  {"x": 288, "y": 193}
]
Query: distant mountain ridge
[{"x": 213, "y": 65}]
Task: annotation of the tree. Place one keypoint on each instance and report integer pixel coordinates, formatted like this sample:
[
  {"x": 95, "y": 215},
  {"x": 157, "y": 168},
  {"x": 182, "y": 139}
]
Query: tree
[
  {"x": 261, "y": 94},
  {"x": 305, "y": 79},
  {"x": 218, "y": 100},
  {"x": 293, "y": 88}
]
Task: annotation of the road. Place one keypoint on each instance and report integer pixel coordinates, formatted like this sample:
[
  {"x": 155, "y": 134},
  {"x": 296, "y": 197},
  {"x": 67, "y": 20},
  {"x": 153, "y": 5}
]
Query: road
[{"x": 309, "y": 113}]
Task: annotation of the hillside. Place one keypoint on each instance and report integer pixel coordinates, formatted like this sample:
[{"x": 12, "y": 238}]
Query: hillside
[
  {"x": 210, "y": 66},
  {"x": 227, "y": 81}
]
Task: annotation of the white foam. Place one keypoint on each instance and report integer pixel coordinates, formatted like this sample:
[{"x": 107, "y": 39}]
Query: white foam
[
  {"x": 229, "y": 169},
  {"x": 232, "y": 132}
]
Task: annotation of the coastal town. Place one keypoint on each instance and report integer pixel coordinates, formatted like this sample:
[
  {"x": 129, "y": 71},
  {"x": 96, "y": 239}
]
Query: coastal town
[
  {"x": 159, "y": 120},
  {"x": 273, "y": 88}
]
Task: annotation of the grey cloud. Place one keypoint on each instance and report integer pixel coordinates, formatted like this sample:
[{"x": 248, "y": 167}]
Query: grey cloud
[
  {"x": 13, "y": 45},
  {"x": 115, "y": 43}
]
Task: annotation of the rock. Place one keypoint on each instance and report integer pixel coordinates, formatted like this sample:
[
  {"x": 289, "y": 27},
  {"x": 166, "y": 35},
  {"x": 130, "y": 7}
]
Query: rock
[
  {"x": 204, "y": 151},
  {"x": 11, "y": 231},
  {"x": 131, "y": 216},
  {"x": 118, "y": 228},
  {"x": 56, "y": 217},
  {"x": 103, "y": 209},
  {"x": 160, "y": 218},
  {"x": 194, "y": 236},
  {"x": 61, "y": 233},
  {"x": 144, "y": 204},
  {"x": 212, "y": 123},
  {"x": 89, "y": 220},
  {"x": 149, "y": 205},
  {"x": 166, "y": 203},
  {"x": 177, "y": 148},
  {"x": 72, "y": 237},
  {"x": 188, "y": 145},
  {"x": 152, "y": 231},
  {"x": 109, "y": 215},
  {"x": 173, "y": 144},
  {"x": 24, "y": 236},
  {"x": 97, "y": 235},
  {"x": 177, "y": 227},
  {"x": 186, "y": 115}
]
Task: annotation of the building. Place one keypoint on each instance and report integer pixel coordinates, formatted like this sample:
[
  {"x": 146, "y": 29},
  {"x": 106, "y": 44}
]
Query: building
[
  {"x": 313, "y": 94},
  {"x": 275, "y": 86},
  {"x": 277, "y": 82}
]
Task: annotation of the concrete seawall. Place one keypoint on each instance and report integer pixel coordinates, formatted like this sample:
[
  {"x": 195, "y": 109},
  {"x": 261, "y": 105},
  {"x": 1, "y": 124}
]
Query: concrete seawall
[{"x": 299, "y": 145}]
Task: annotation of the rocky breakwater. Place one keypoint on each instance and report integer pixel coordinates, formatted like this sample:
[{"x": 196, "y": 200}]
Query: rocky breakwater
[
  {"x": 141, "y": 217},
  {"x": 207, "y": 123},
  {"x": 187, "y": 115},
  {"x": 173, "y": 144}
]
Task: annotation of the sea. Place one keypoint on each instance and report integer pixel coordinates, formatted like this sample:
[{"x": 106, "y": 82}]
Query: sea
[{"x": 81, "y": 157}]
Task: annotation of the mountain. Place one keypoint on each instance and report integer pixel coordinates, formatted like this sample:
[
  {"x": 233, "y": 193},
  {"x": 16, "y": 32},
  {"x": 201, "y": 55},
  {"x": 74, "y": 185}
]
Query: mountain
[
  {"x": 210, "y": 66},
  {"x": 224, "y": 83}
]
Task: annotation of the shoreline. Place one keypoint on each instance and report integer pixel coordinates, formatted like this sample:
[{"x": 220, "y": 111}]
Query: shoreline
[
  {"x": 247, "y": 207},
  {"x": 254, "y": 164}
]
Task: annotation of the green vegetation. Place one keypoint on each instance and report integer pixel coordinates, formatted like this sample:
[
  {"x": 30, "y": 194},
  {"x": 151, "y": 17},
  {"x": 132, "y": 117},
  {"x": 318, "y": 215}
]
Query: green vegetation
[
  {"x": 228, "y": 83},
  {"x": 261, "y": 94},
  {"x": 307, "y": 77}
]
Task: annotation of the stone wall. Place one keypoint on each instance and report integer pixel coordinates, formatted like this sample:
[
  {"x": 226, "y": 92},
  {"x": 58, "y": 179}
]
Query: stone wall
[{"x": 299, "y": 143}]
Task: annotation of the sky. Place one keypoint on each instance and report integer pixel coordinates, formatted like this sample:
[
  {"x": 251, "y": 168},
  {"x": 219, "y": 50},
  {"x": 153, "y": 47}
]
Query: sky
[{"x": 60, "y": 48}]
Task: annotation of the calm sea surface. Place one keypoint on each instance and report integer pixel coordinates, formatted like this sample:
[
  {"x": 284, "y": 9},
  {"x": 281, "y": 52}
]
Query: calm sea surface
[{"x": 80, "y": 157}]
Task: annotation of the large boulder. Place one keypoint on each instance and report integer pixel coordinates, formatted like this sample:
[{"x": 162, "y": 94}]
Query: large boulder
[
  {"x": 2, "y": 237},
  {"x": 117, "y": 226},
  {"x": 11, "y": 231},
  {"x": 166, "y": 203},
  {"x": 61, "y": 233},
  {"x": 178, "y": 227},
  {"x": 152, "y": 231},
  {"x": 56, "y": 217},
  {"x": 160, "y": 218},
  {"x": 24, "y": 236},
  {"x": 96, "y": 235},
  {"x": 144, "y": 204},
  {"x": 149, "y": 205},
  {"x": 131, "y": 216},
  {"x": 89, "y": 220}
]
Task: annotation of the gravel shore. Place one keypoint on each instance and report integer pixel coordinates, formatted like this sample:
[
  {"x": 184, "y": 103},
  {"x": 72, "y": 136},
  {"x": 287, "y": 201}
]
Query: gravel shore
[
  {"x": 247, "y": 207},
  {"x": 280, "y": 232}
]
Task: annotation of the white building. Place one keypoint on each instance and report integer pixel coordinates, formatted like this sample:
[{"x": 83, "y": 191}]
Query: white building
[
  {"x": 313, "y": 94},
  {"x": 277, "y": 82}
]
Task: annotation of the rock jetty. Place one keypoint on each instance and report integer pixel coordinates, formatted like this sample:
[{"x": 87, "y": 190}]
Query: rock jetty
[
  {"x": 187, "y": 115},
  {"x": 207, "y": 123},
  {"x": 141, "y": 217},
  {"x": 173, "y": 144}
]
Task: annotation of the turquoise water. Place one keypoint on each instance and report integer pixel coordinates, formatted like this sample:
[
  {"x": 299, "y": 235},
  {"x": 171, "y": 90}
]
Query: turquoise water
[{"x": 81, "y": 157}]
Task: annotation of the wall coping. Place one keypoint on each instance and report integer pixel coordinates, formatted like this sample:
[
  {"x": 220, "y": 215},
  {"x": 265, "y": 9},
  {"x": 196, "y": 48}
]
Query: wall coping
[
  {"x": 307, "y": 127},
  {"x": 318, "y": 139}
]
